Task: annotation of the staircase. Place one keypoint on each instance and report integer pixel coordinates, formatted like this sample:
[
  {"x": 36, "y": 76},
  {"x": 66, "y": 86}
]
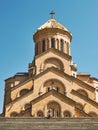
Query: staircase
[{"x": 48, "y": 124}]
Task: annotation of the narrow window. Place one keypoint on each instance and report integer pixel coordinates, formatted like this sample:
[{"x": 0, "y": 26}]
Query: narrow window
[
  {"x": 48, "y": 89},
  {"x": 61, "y": 45},
  {"x": 43, "y": 45},
  {"x": 57, "y": 89},
  {"x": 52, "y": 43}
]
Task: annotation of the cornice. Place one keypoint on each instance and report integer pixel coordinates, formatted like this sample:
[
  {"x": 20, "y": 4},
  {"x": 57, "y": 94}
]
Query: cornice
[
  {"x": 51, "y": 31},
  {"x": 55, "y": 51}
]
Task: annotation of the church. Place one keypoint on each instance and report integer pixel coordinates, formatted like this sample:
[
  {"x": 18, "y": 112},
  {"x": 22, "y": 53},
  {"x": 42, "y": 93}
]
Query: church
[{"x": 52, "y": 87}]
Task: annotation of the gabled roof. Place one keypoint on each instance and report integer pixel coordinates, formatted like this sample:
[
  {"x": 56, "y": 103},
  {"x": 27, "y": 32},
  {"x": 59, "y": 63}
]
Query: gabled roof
[
  {"x": 65, "y": 75},
  {"x": 53, "y": 92}
]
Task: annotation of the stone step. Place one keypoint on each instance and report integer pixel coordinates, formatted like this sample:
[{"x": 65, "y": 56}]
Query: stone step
[{"x": 48, "y": 124}]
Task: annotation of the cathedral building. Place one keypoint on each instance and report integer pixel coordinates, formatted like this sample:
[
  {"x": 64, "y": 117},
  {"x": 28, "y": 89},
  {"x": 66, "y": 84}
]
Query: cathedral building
[{"x": 52, "y": 86}]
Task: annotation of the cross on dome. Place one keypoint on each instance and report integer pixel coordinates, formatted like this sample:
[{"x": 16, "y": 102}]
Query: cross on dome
[{"x": 52, "y": 13}]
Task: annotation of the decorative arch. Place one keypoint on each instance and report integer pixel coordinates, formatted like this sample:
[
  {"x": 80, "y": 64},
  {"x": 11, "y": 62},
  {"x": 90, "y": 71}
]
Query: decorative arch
[
  {"x": 67, "y": 113},
  {"x": 79, "y": 106},
  {"x": 53, "y": 62},
  {"x": 14, "y": 114},
  {"x": 24, "y": 91},
  {"x": 54, "y": 84},
  {"x": 93, "y": 114},
  {"x": 54, "y": 109},
  {"x": 83, "y": 92},
  {"x": 40, "y": 113}
]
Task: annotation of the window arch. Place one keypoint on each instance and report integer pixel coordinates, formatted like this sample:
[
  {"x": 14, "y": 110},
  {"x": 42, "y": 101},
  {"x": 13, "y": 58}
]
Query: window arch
[
  {"x": 54, "y": 62},
  {"x": 43, "y": 45},
  {"x": 67, "y": 114},
  {"x": 83, "y": 92},
  {"x": 54, "y": 84},
  {"x": 40, "y": 113},
  {"x": 52, "y": 43}
]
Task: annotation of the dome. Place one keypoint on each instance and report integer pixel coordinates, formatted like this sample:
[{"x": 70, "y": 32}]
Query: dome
[{"x": 52, "y": 23}]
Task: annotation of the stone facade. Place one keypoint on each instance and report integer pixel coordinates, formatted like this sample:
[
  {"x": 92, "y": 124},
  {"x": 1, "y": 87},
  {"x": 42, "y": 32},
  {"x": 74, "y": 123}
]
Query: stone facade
[{"x": 52, "y": 87}]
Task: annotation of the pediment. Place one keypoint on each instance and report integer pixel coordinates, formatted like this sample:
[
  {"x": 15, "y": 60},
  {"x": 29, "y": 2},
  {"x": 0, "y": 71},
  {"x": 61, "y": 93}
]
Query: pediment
[{"x": 57, "y": 95}]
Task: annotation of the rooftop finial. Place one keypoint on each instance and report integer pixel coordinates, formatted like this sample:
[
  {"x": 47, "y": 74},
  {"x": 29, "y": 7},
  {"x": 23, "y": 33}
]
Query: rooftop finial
[{"x": 52, "y": 13}]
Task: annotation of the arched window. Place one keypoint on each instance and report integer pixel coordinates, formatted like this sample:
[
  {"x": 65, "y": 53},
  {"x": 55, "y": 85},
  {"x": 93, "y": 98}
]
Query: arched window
[
  {"x": 67, "y": 114},
  {"x": 43, "y": 45},
  {"x": 54, "y": 84},
  {"x": 54, "y": 109},
  {"x": 40, "y": 114},
  {"x": 52, "y": 43},
  {"x": 24, "y": 91},
  {"x": 36, "y": 49},
  {"x": 61, "y": 45}
]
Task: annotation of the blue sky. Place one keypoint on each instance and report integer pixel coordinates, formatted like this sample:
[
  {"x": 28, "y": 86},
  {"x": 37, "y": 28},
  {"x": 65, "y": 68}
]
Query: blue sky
[{"x": 19, "y": 19}]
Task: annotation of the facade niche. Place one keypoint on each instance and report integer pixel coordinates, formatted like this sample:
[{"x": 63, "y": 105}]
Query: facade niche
[
  {"x": 67, "y": 114},
  {"x": 40, "y": 113}
]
